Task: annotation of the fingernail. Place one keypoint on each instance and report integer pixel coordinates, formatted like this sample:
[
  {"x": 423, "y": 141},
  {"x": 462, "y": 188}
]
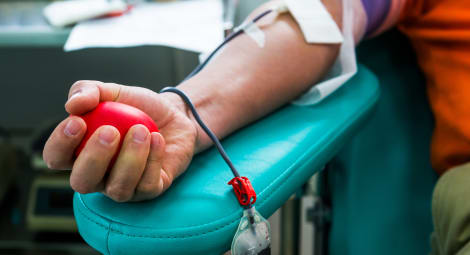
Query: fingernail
[
  {"x": 75, "y": 94},
  {"x": 155, "y": 140},
  {"x": 107, "y": 135},
  {"x": 140, "y": 134},
  {"x": 72, "y": 128}
]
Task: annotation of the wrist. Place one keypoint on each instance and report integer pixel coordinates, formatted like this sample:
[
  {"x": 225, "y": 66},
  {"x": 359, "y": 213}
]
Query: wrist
[
  {"x": 180, "y": 108},
  {"x": 176, "y": 103}
]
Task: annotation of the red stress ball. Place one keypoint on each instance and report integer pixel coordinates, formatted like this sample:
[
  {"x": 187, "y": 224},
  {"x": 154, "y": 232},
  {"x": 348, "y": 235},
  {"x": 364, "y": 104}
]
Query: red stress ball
[{"x": 119, "y": 115}]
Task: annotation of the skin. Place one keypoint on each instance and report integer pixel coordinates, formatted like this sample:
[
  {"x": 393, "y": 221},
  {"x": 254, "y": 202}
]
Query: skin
[{"x": 243, "y": 80}]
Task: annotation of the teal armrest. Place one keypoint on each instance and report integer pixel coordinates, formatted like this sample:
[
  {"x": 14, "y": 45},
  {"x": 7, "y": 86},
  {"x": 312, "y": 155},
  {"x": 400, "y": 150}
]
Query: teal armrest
[{"x": 199, "y": 213}]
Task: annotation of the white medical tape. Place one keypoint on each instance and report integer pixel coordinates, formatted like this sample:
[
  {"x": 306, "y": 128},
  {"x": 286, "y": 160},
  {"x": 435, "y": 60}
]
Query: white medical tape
[
  {"x": 280, "y": 7},
  {"x": 254, "y": 32},
  {"x": 344, "y": 67},
  {"x": 315, "y": 21}
]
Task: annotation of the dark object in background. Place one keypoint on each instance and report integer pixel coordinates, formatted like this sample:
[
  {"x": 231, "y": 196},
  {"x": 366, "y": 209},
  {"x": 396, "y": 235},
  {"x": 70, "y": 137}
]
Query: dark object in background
[
  {"x": 50, "y": 207},
  {"x": 35, "y": 233},
  {"x": 8, "y": 162},
  {"x": 37, "y": 146}
]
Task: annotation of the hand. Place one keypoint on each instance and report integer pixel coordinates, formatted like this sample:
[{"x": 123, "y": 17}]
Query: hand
[{"x": 147, "y": 162}]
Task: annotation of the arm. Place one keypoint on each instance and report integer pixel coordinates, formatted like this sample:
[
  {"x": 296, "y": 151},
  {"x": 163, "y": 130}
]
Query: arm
[
  {"x": 248, "y": 82},
  {"x": 242, "y": 84}
]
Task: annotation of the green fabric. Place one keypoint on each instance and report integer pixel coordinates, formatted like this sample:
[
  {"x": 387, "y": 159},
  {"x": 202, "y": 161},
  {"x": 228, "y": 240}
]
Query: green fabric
[
  {"x": 451, "y": 212},
  {"x": 381, "y": 182}
]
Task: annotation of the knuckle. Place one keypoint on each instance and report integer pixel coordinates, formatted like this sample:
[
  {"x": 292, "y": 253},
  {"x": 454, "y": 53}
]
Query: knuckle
[
  {"x": 167, "y": 179},
  {"x": 83, "y": 83},
  {"x": 77, "y": 84},
  {"x": 119, "y": 193},
  {"x": 117, "y": 90},
  {"x": 79, "y": 187},
  {"x": 148, "y": 189},
  {"x": 51, "y": 162},
  {"x": 46, "y": 159}
]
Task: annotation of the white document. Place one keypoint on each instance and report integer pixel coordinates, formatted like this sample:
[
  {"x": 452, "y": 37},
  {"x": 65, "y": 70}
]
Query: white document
[{"x": 194, "y": 25}]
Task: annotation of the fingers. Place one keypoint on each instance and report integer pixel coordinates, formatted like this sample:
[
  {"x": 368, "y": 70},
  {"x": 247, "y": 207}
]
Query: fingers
[
  {"x": 59, "y": 148},
  {"x": 90, "y": 167},
  {"x": 137, "y": 173},
  {"x": 130, "y": 164},
  {"x": 151, "y": 182}
]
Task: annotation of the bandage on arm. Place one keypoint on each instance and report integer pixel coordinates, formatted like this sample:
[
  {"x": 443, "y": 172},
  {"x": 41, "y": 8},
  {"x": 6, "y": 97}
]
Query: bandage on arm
[
  {"x": 360, "y": 18},
  {"x": 244, "y": 82}
]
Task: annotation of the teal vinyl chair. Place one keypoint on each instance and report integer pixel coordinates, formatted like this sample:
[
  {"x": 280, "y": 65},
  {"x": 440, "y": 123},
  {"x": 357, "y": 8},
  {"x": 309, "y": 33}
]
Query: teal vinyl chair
[
  {"x": 380, "y": 184},
  {"x": 199, "y": 214}
]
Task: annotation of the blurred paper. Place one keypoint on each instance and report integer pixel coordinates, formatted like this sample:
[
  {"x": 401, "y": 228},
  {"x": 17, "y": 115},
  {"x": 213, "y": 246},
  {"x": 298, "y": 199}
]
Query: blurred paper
[
  {"x": 194, "y": 25},
  {"x": 64, "y": 13}
]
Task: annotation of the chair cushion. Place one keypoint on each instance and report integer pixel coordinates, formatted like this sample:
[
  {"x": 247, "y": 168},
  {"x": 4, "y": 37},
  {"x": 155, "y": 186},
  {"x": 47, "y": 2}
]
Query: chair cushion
[{"x": 199, "y": 214}]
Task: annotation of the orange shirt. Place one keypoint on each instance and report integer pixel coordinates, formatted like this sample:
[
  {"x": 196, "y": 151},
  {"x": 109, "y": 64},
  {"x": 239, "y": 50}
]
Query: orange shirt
[{"x": 439, "y": 31}]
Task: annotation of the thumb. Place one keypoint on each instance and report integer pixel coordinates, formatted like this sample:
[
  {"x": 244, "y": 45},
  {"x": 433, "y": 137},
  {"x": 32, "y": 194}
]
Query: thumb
[{"x": 84, "y": 96}]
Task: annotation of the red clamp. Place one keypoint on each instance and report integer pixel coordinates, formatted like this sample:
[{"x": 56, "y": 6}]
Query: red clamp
[{"x": 245, "y": 193}]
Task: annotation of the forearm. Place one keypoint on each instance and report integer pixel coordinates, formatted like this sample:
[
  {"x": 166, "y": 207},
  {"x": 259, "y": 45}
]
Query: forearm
[{"x": 245, "y": 82}]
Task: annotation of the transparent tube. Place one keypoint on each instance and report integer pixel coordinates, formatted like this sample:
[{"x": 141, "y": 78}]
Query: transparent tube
[{"x": 253, "y": 235}]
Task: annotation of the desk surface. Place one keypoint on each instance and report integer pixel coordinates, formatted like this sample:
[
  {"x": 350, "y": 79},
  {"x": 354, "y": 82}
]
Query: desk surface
[{"x": 23, "y": 25}]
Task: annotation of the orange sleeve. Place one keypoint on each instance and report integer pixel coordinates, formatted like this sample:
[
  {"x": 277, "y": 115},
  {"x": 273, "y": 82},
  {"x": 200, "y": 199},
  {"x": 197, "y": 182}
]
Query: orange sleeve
[{"x": 439, "y": 31}]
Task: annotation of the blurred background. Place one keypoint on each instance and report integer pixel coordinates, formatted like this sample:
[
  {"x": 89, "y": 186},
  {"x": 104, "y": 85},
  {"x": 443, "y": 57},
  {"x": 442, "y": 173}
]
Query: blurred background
[
  {"x": 36, "y": 214},
  {"x": 37, "y": 70}
]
